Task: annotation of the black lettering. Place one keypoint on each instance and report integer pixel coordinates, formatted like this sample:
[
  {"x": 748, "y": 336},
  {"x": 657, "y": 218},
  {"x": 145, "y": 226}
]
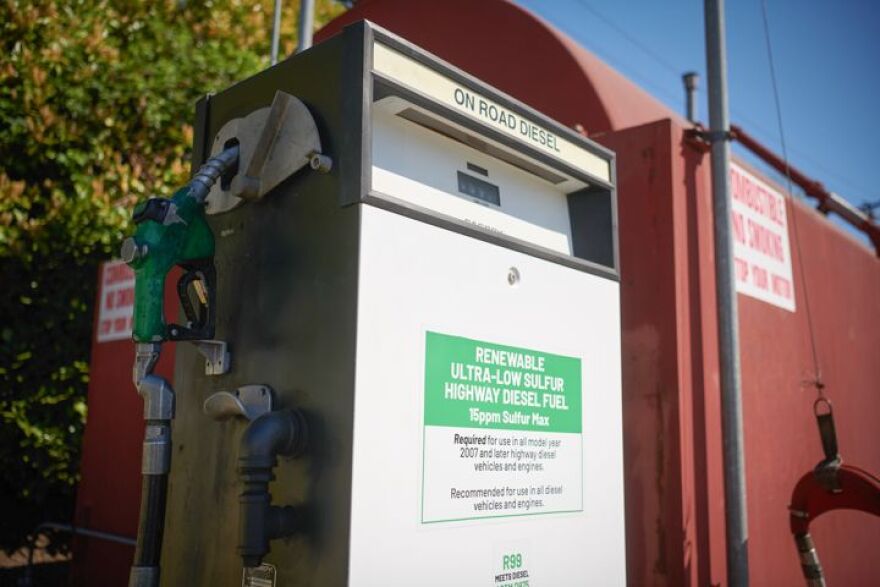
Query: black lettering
[{"x": 459, "y": 96}]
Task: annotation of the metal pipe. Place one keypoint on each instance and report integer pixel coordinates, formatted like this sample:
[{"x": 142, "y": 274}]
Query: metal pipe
[
  {"x": 276, "y": 32},
  {"x": 79, "y": 531},
  {"x": 28, "y": 578},
  {"x": 306, "y": 24},
  {"x": 270, "y": 435},
  {"x": 690, "y": 79},
  {"x": 725, "y": 283},
  {"x": 828, "y": 201}
]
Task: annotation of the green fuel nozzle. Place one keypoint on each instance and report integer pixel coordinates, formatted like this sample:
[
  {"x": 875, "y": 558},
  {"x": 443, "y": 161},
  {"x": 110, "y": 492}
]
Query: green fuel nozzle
[{"x": 173, "y": 232}]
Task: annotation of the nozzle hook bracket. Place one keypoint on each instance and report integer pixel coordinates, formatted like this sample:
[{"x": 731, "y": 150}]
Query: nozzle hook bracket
[{"x": 216, "y": 355}]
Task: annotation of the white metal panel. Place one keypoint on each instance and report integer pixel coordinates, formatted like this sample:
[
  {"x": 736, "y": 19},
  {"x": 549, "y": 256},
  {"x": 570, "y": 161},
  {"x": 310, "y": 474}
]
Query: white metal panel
[
  {"x": 420, "y": 166},
  {"x": 422, "y": 78},
  {"x": 415, "y": 277}
]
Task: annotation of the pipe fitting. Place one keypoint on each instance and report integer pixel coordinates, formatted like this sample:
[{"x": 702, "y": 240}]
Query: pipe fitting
[
  {"x": 158, "y": 413},
  {"x": 276, "y": 433},
  {"x": 158, "y": 398},
  {"x": 809, "y": 559},
  {"x": 146, "y": 355},
  {"x": 143, "y": 577}
]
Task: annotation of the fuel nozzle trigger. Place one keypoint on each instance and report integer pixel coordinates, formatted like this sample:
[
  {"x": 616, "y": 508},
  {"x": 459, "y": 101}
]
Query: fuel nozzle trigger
[{"x": 196, "y": 290}]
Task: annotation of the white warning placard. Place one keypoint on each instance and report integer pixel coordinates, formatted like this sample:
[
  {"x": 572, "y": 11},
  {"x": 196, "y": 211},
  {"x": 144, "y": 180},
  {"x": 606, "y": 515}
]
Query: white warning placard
[
  {"x": 116, "y": 305},
  {"x": 760, "y": 240},
  {"x": 502, "y": 434}
]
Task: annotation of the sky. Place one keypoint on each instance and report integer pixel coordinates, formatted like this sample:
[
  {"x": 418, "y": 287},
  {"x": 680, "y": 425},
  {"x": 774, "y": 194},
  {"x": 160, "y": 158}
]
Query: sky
[{"x": 827, "y": 60}]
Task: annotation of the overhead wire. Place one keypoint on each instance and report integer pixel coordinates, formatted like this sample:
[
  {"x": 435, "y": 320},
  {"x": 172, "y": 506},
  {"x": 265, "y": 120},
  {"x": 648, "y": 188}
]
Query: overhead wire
[
  {"x": 652, "y": 54},
  {"x": 817, "y": 372},
  {"x": 817, "y": 375}
]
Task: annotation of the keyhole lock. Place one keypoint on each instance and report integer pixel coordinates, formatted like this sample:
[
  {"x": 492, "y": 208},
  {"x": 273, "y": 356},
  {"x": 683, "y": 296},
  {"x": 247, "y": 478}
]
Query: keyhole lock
[{"x": 513, "y": 276}]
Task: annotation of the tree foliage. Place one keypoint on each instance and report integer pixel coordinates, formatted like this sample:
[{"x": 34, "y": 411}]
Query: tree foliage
[{"x": 96, "y": 105}]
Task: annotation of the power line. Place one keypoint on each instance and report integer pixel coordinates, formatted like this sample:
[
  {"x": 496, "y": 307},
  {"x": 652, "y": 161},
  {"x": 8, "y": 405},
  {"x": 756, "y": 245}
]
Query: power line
[
  {"x": 620, "y": 30},
  {"x": 817, "y": 373},
  {"x": 654, "y": 55}
]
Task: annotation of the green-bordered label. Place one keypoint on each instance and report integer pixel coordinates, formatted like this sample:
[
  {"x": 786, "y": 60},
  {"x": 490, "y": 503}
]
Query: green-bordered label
[{"x": 478, "y": 384}]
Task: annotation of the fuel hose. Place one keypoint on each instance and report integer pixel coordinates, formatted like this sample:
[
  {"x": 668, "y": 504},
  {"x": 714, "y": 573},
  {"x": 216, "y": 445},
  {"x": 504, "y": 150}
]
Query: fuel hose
[{"x": 158, "y": 398}]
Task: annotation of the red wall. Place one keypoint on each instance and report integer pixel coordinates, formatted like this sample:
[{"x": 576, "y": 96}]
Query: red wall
[
  {"x": 843, "y": 286},
  {"x": 674, "y": 491},
  {"x": 674, "y": 514}
]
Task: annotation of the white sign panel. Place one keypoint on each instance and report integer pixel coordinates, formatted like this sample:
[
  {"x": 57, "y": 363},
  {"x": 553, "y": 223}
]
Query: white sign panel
[
  {"x": 116, "y": 302},
  {"x": 487, "y": 416},
  {"x": 502, "y": 431},
  {"x": 419, "y": 77},
  {"x": 760, "y": 240}
]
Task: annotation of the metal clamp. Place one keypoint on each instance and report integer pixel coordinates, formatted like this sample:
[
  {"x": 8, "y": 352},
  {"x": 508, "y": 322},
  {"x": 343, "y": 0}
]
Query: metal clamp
[
  {"x": 158, "y": 412},
  {"x": 248, "y": 401},
  {"x": 146, "y": 355},
  {"x": 216, "y": 356},
  {"x": 826, "y": 471}
]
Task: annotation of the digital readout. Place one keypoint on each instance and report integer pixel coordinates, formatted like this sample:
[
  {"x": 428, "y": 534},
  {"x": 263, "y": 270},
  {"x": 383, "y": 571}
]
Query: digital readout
[{"x": 479, "y": 189}]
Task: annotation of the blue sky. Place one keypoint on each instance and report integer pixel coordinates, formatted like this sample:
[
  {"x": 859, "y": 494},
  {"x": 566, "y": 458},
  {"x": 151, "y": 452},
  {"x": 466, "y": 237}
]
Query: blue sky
[{"x": 827, "y": 58}]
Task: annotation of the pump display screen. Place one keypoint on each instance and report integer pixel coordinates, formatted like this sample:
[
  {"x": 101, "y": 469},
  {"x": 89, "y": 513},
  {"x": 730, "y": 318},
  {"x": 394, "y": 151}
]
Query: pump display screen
[{"x": 477, "y": 188}]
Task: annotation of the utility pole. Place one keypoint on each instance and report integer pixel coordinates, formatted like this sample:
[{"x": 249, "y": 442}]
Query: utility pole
[
  {"x": 306, "y": 24},
  {"x": 725, "y": 283},
  {"x": 276, "y": 31}
]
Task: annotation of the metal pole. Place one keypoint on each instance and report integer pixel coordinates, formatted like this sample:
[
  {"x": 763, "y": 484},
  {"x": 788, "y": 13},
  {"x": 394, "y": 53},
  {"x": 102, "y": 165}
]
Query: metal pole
[
  {"x": 306, "y": 24},
  {"x": 77, "y": 530},
  {"x": 276, "y": 31},
  {"x": 690, "y": 80},
  {"x": 728, "y": 326}
]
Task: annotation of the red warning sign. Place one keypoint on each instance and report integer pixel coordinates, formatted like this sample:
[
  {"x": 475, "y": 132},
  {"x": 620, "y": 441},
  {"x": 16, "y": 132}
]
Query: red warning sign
[
  {"x": 116, "y": 310},
  {"x": 760, "y": 240}
]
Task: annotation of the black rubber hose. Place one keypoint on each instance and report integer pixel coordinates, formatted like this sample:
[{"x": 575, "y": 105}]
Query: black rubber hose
[{"x": 151, "y": 526}]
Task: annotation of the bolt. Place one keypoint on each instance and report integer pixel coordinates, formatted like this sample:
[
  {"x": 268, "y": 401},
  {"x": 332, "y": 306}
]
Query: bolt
[
  {"x": 513, "y": 276},
  {"x": 131, "y": 251},
  {"x": 320, "y": 163}
]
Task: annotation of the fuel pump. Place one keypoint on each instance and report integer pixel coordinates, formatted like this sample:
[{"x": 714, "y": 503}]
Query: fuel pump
[
  {"x": 425, "y": 338},
  {"x": 269, "y": 145}
]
